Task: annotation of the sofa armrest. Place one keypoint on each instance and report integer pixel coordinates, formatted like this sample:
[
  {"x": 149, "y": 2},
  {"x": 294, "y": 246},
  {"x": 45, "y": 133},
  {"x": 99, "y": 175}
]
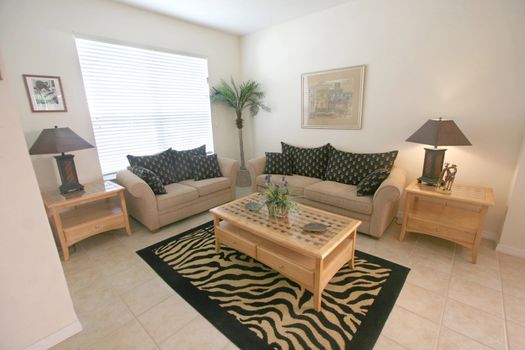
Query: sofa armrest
[
  {"x": 256, "y": 168},
  {"x": 230, "y": 169},
  {"x": 134, "y": 185},
  {"x": 386, "y": 200},
  {"x": 140, "y": 199}
]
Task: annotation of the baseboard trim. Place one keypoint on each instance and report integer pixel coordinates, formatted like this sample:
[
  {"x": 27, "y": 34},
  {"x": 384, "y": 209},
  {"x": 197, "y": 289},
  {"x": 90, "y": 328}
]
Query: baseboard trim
[
  {"x": 510, "y": 250},
  {"x": 56, "y": 337}
]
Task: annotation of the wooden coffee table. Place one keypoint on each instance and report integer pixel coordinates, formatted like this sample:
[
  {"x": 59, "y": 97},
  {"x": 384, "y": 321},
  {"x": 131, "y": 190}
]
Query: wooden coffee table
[{"x": 310, "y": 259}]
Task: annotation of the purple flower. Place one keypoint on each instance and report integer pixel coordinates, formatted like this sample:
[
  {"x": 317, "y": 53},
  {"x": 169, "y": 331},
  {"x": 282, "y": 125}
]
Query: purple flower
[{"x": 267, "y": 179}]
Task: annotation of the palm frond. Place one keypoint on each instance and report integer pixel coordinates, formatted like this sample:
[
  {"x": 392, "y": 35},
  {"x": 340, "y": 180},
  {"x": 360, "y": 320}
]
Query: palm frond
[
  {"x": 246, "y": 96},
  {"x": 223, "y": 93}
]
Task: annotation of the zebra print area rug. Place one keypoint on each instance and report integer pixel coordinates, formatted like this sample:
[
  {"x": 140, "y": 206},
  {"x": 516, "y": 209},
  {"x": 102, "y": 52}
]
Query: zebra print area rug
[{"x": 257, "y": 308}]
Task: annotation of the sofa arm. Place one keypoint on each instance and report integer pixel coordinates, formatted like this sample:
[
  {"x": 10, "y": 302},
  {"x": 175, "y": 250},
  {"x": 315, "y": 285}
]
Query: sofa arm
[
  {"x": 134, "y": 185},
  {"x": 140, "y": 199},
  {"x": 256, "y": 168},
  {"x": 230, "y": 169},
  {"x": 386, "y": 200}
]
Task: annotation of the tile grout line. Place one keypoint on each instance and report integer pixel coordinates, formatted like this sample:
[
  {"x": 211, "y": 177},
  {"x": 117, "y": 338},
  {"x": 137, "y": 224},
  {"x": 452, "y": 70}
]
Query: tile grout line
[
  {"x": 503, "y": 302},
  {"x": 441, "y": 326}
]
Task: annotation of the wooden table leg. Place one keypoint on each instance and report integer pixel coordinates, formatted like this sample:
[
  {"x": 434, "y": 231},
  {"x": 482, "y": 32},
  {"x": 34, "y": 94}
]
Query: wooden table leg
[
  {"x": 125, "y": 212},
  {"x": 216, "y": 222},
  {"x": 405, "y": 217},
  {"x": 479, "y": 234},
  {"x": 351, "y": 263},
  {"x": 317, "y": 284},
  {"x": 60, "y": 233}
]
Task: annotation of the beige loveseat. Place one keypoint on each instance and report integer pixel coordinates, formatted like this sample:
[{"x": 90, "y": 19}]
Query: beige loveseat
[
  {"x": 376, "y": 212},
  {"x": 182, "y": 199}
]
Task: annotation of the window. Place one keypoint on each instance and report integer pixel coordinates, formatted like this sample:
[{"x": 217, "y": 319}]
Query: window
[{"x": 144, "y": 101}]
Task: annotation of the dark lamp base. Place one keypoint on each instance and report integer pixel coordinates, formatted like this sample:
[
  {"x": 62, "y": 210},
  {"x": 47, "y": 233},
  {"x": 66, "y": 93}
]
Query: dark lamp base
[
  {"x": 68, "y": 174},
  {"x": 432, "y": 166}
]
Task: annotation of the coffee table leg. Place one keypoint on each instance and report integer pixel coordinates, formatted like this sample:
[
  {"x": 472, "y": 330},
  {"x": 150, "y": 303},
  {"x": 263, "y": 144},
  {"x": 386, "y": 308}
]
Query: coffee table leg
[
  {"x": 318, "y": 292},
  {"x": 353, "y": 238},
  {"x": 215, "y": 225}
]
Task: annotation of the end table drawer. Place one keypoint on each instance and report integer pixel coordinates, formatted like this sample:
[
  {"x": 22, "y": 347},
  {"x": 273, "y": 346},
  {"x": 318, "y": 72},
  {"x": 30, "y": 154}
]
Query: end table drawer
[
  {"x": 286, "y": 267},
  {"x": 77, "y": 233}
]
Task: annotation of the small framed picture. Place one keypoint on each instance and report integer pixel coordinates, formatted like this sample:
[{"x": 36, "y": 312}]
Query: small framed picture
[{"x": 45, "y": 93}]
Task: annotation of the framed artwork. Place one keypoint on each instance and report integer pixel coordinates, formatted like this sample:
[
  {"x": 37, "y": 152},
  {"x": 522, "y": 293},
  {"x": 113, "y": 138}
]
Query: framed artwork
[
  {"x": 333, "y": 99},
  {"x": 45, "y": 93}
]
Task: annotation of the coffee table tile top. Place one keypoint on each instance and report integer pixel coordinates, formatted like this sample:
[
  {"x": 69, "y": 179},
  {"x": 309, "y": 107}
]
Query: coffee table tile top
[{"x": 290, "y": 228}]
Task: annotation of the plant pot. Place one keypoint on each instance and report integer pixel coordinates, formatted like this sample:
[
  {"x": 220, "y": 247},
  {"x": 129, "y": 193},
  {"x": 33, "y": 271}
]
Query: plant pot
[{"x": 277, "y": 211}]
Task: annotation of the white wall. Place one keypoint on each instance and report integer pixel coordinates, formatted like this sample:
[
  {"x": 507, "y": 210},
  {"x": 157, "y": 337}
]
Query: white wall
[
  {"x": 38, "y": 38},
  {"x": 461, "y": 59},
  {"x": 36, "y": 309},
  {"x": 512, "y": 239}
]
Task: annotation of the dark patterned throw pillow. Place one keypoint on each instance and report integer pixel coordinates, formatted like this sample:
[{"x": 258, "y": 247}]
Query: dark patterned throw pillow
[
  {"x": 350, "y": 168},
  {"x": 149, "y": 177},
  {"x": 369, "y": 185},
  {"x": 161, "y": 164},
  {"x": 309, "y": 162},
  {"x": 277, "y": 163},
  {"x": 365, "y": 163},
  {"x": 183, "y": 162},
  {"x": 339, "y": 166},
  {"x": 205, "y": 167}
]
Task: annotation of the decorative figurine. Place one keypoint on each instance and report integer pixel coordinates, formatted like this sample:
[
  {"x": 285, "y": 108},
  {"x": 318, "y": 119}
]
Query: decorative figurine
[{"x": 446, "y": 178}]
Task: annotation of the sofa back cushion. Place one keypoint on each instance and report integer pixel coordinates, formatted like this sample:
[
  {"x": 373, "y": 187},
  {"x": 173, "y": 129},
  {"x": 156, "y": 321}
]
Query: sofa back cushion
[
  {"x": 182, "y": 162},
  {"x": 149, "y": 177},
  {"x": 161, "y": 164},
  {"x": 278, "y": 163},
  {"x": 350, "y": 168},
  {"x": 311, "y": 162},
  {"x": 205, "y": 167}
]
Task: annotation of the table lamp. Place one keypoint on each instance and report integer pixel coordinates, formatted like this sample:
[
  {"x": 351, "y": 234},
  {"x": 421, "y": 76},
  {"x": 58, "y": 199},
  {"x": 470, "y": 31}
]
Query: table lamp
[
  {"x": 60, "y": 140},
  {"x": 437, "y": 132}
]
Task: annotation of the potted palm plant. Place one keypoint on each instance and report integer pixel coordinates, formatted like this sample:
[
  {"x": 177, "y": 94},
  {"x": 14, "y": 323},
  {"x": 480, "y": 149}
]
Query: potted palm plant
[{"x": 247, "y": 96}]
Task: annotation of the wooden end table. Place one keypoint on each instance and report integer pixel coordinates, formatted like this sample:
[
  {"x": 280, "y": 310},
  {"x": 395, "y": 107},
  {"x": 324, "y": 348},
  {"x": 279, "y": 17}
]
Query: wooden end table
[
  {"x": 310, "y": 259},
  {"x": 458, "y": 217},
  {"x": 99, "y": 208}
]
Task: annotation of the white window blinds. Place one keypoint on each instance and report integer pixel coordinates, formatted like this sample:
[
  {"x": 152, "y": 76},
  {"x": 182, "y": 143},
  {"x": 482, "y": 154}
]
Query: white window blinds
[{"x": 143, "y": 101}]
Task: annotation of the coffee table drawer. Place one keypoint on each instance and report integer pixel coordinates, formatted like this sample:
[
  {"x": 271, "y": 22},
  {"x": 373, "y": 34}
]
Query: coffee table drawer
[
  {"x": 286, "y": 267},
  {"x": 237, "y": 243}
]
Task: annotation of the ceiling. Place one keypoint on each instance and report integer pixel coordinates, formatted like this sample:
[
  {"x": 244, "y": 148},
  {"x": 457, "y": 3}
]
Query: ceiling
[{"x": 238, "y": 17}]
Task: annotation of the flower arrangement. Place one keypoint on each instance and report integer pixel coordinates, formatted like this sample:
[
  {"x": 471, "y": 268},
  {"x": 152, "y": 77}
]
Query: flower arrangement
[{"x": 276, "y": 198}]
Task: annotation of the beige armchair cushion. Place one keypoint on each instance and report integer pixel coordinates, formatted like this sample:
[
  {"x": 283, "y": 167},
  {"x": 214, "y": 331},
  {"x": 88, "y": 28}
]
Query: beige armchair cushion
[
  {"x": 208, "y": 186},
  {"x": 339, "y": 195},
  {"x": 296, "y": 183},
  {"x": 177, "y": 194}
]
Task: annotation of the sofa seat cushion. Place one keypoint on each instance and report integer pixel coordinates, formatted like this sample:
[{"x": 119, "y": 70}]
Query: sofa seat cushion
[
  {"x": 207, "y": 186},
  {"x": 177, "y": 194},
  {"x": 339, "y": 195},
  {"x": 296, "y": 183}
]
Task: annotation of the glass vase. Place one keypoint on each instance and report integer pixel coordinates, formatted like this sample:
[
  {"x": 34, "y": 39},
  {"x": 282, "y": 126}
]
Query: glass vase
[{"x": 277, "y": 211}]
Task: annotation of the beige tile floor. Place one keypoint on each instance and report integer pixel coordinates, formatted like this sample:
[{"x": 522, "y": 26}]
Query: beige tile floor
[{"x": 446, "y": 303}]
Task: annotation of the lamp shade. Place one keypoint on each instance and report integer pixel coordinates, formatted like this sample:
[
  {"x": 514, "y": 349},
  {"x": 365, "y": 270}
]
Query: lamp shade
[
  {"x": 58, "y": 140},
  {"x": 439, "y": 132}
]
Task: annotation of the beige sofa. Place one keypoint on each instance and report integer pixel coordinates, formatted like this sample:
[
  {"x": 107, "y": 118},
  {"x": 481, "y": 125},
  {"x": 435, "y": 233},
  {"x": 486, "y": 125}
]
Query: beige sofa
[
  {"x": 182, "y": 199},
  {"x": 376, "y": 212}
]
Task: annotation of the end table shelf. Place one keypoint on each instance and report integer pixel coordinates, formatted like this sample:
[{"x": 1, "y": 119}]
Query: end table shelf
[{"x": 99, "y": 208}]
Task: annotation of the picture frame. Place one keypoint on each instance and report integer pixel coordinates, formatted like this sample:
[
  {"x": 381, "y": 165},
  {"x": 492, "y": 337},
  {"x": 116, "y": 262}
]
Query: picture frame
[
  {"x": 333, "y": 99},
  {"x": 45, "y": 93}
]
